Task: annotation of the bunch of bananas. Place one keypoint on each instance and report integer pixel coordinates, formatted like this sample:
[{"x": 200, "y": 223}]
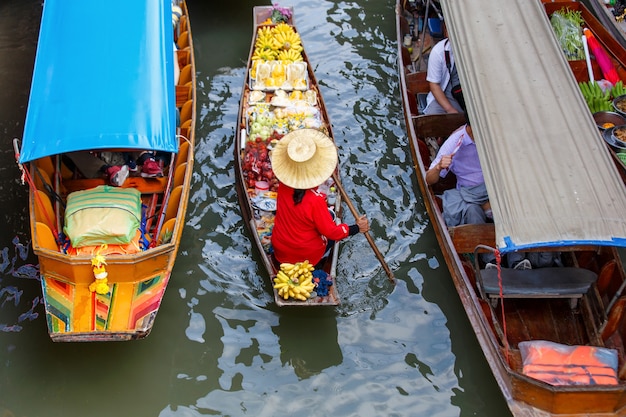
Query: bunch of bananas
[
  {"x": 264, "y": 46},
  {"x": 295, "y": 280},
  {"x": 289, "y": 55},
  {"x": 286, "y": 38},
  {"x": 279, "y": 42},
  {"x": 597, "y": 100}
]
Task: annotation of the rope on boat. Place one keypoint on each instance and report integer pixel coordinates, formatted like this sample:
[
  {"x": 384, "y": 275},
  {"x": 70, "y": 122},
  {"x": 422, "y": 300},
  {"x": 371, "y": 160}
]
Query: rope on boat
[
  {"x": 498, "y": 255},
  {"x": 499, "y": 265}
]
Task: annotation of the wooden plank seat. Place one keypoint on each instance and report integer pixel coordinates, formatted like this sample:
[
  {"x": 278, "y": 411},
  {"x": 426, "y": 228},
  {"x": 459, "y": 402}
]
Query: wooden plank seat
[
  {"x": 144, "y": 185},
  {"x": 438, "y": 125},
  {"x": 549, "y": 282}
]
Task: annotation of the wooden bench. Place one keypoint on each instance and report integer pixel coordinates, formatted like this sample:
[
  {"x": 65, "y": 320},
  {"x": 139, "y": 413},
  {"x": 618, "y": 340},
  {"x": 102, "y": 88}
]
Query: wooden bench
[{"x": 549, "y": 282}]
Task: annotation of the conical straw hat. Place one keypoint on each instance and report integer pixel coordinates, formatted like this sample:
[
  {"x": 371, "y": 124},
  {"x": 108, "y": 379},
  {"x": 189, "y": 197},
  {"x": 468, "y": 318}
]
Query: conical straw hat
[{"x": 304, "y": 158}]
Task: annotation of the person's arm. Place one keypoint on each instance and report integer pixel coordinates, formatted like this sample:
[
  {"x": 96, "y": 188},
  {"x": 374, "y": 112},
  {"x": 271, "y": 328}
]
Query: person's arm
[
  {"x": 441, "y": 98},
  {"x": 434, "y": 173}
]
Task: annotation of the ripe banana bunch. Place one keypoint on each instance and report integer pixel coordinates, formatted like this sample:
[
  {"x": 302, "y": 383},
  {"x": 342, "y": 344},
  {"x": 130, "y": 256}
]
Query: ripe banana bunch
[
  {"x": 289, "y": 55},
  {"x": 263, "y": 55},
  {"x": 295, "y": 280},
  {"x": 265, "y": 39},
  {"x": 597, "y": 100},
  {"x": 285, "y": 38}
]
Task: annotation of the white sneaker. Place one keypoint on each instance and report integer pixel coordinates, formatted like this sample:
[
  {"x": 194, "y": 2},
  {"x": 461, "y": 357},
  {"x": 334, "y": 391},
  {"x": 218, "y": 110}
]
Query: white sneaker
[
  {"x": 522, "y": 265},
  {"x": 491, "y": 266}
]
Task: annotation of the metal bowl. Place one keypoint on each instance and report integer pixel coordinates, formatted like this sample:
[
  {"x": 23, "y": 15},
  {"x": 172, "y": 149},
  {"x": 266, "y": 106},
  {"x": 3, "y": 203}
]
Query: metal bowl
[
  {"x": 614, "y": 141},
  {"x": 607, "y": 119},
  {"x": 619, "y": 104}
]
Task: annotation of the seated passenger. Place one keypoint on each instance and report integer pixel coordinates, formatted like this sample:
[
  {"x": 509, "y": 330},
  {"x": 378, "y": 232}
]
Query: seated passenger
[
  {"x": 468, "y": 203},
  {"x": 442, "y": 76}
]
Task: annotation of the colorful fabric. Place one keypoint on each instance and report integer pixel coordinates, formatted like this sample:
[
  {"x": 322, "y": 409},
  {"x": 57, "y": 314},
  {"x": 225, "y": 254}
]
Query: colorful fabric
[
  {"x": 102, "y": 215},
  {"x": 301, "y": 231}
]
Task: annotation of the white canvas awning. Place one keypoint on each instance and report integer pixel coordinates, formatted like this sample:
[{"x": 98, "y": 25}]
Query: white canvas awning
[{"x": 550, "y": 177}]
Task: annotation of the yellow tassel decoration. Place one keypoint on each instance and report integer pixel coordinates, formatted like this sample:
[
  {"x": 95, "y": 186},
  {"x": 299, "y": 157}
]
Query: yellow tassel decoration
[{"x": 100, "y": 285}]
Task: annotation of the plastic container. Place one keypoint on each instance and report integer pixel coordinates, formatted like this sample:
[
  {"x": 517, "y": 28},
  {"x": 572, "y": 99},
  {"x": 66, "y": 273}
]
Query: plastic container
[
  {"x": 261, "y": 187},
  {"x": 332, "y": 196}
]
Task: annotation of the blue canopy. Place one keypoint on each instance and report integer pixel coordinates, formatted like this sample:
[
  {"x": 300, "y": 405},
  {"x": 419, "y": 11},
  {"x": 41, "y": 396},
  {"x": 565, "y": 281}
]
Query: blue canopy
[{"x": 103, "y": 78}]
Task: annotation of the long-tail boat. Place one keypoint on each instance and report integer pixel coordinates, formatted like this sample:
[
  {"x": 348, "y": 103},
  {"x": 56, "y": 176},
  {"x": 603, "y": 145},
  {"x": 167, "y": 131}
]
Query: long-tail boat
[
  {"x": 553, "y": 187},
  {"x": 280, "y": 94},
  {"x": 102, "y": 93}
]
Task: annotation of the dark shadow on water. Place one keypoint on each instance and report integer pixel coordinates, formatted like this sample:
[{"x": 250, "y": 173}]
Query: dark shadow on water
[{"x": 308, "y": 340}]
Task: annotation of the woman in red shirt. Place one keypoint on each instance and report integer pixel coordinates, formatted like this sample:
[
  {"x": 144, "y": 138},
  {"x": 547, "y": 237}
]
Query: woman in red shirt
[{"x": 304, "y": 228}]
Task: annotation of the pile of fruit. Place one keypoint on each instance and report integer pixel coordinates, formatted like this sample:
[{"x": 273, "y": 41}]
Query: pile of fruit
[
  {"x": 599, "y": 99},
  {"x": 277, "y": 59},
  {"x": 256, "y": 161},
  {"x": 295, "y": 280},
  {"x": 277, "y": 43}
]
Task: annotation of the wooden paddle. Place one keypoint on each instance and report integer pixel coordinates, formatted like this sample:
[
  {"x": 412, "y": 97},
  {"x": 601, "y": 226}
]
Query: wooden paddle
[{"x": 356, "y": 215}]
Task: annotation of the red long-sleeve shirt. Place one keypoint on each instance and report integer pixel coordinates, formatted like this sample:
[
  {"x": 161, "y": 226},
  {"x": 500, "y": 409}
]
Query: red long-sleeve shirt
[{"x": 301, "y": 230}]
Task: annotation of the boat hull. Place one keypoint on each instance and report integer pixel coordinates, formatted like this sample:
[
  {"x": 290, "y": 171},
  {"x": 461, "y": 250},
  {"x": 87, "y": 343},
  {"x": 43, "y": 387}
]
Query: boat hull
[
  {"x": 525, "y": 396},
  {"x": 254, "y": 219},
  {"x": 135, "y": 281}
]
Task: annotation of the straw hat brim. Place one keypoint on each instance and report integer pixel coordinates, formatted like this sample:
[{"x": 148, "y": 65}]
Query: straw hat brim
[{"x": 304, "y": 158}]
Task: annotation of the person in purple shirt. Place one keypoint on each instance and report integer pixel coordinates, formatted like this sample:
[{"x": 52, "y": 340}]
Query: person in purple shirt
[{"x": 468, "y": 203}]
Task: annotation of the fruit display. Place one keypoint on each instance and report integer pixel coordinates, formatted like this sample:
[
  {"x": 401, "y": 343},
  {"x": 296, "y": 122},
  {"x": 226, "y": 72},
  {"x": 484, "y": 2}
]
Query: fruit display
[
  {"x": 277, "y": 59},
  {"x": 295, "y": 280},
  {"x": 267, "y": 122}
]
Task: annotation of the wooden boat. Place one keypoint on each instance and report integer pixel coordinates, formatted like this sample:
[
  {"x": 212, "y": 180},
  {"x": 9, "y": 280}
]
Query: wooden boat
[
  {"x": 612, "y": 18},
  {"x": 119, "y": 95},
  {"x": 517, "y": 141},
  {"x": 284, "y": 107}
]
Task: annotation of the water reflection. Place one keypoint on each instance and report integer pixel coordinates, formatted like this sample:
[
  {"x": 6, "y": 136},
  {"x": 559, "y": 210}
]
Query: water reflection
[{"x": 316, "y": 347}]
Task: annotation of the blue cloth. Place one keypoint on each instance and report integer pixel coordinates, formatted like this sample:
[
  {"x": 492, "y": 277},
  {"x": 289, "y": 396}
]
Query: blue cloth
[{"x": 322, "y": 282}]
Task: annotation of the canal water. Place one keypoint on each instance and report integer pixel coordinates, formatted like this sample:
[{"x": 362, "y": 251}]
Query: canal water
[{"x": 220, "y": 346}]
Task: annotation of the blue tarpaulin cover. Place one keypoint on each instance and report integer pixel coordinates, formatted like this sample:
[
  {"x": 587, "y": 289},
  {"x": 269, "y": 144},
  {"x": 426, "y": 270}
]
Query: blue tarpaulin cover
[{"x": 103, "y": 78}]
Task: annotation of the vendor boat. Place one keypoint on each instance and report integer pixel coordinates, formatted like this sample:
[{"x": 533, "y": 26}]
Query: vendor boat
[
  {"x": 612, "y": 14},
  {"x": 106, "y": 252},
  {"x": 280, "y": 94},
  {"x": 551, "y": 188}
]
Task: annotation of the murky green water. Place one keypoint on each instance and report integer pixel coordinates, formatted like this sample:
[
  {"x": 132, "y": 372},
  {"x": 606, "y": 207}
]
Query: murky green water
[{"x": 220, "y": 346}]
